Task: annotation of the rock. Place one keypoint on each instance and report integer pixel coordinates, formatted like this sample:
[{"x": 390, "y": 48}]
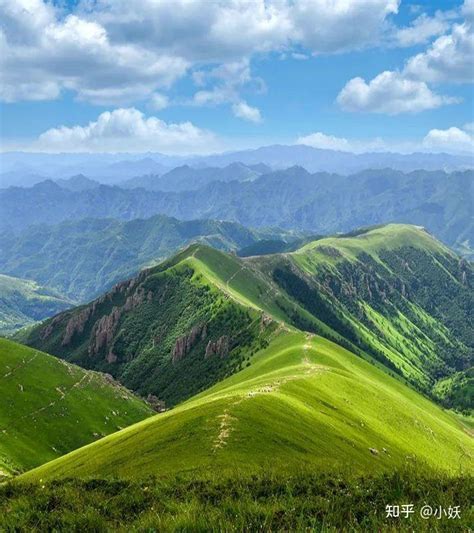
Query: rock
[
  {"x": 103, "y": 331},
  {"x": 46, "y": 332},
  {"x": 186, "y": 343},
  {"x": 373, "y": 451},
  {"x": 219, "y": 347},
  {"x": 155, "y": 403},
  {"x": 76, "y": 324}
]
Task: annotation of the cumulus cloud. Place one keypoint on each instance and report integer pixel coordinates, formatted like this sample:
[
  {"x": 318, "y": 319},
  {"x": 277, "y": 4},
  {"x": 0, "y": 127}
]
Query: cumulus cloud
[
  {"x": 331, "y": 26},
  {"x": 449, "y": 58},
  {"x": 453, "y": 139},
  {"x": 327, "y": 142},
  {"x": 423, "y": 28},
  {"x": 391, "y": 93},
  {"x": 247, "y": 112},
  {"x": 42, "y": 54},
  {"x": 331, "y": 142},
  {"x": 128, "y": 130},
  {"x": 119, "y": 51}
]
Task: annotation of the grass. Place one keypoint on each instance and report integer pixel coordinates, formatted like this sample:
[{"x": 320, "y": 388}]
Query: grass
[
  {"x": 304, "y": 401},
  {"x": 23, "y": 302},
  {"x": 302, "y": 500},
  {"x": 49, "y": 407}
]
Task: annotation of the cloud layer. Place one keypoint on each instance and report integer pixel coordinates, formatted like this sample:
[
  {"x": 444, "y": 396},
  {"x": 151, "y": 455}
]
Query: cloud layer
[
  {"x": 117, "y": 51},
  {"x": 128, "y": 130}
]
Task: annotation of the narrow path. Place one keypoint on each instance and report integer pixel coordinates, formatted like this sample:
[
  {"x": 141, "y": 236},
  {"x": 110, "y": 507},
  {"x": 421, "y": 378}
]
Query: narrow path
[
  {"x": 62, "y": 396},
  {"x": 21, "y": 365}
]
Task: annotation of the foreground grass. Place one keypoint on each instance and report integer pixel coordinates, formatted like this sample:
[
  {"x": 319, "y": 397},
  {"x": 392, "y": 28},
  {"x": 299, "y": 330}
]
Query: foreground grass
[{"x": 266, "y": 501}]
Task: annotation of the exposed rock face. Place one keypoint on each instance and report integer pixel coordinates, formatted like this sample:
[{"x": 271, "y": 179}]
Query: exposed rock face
[
  {"x": 186, "y": 343},
  {"x": 104, "y": 330},
  {"x": 220, "y": 347},
  {"x": 46, "y": 332},
  {"x": 105, "y": 327},
  {"x": 76, "y": 324}
]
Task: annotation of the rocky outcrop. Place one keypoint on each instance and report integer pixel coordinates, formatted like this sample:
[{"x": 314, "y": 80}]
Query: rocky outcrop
[
  {"x": 46, "y": 332},
  {"x": 185, "y": 344},
  {"x": 103, "y": 331},
  {"x": 220, "y": 347},
  {"x": 76, "y": 324},
  {"x": 265, "y": 321},
  {"x": 155, "y": 403}
]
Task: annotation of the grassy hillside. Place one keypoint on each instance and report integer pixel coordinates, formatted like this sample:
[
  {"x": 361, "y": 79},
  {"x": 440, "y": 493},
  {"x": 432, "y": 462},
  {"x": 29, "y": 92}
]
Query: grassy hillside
[
  {"x": 49, "y": 407},
  {"x": 23, "y": 302},
  {"x": 395, "y": 292},
  {"x": 393, "y": 295},
  {"x": 83, "y": 259},
  {"x": 303, "y": 402}
]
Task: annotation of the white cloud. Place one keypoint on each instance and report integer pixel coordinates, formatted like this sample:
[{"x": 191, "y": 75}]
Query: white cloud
[
  {"x": 422, "y": 29},
  {"x": 159, "y": 101},
  {"x": 327, "y": 142},
  {"x": 331, "y": 142},
  {"x": 331, "y": 26},
  {"x": 116, "y": 51},
  {"x": 243, "y": 110},
  {"x": 44, "y": 54},
  {"x": 451, "y": 140},
  {"x": 468, "y": 10},
  {"x": 127, "y": 130},
  {"x": 390, "y": 93},
  {"x": 228, "y": 80},
  {"x": 449, "y": 58}
]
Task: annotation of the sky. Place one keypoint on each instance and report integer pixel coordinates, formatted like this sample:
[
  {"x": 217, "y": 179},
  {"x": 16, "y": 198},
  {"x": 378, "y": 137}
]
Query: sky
[{"x": 203, "y": 76}]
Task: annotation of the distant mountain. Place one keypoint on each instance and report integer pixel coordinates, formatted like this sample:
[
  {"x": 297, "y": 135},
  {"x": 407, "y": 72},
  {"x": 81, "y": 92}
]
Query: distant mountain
[
  {"x": 49, "y": 408},
  {"x": 318, "y": 203},
  {"x": 85, "y": 258},
  {"x": 320, "y": 160},
  {"x": 25, "y": 169},
  {"x": 77, "y": 183},
  {"x": 186, "y": 178},
  {"x": 23, "y": 302}
]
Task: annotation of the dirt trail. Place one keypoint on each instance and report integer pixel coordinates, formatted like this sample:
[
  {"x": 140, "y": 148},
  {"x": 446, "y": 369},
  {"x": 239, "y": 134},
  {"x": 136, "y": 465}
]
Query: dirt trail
[
  {"x": 21, "y": 365},
  {"x": 62, "y": 395},
  {"x": 227, "y": 420}
]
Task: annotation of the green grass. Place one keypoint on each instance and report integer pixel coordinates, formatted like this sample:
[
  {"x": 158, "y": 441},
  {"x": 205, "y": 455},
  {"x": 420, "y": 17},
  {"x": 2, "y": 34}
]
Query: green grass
[
  {"x": 23, "y": 302},
  {"x": 302, "y": 500},
  {"x": 389, "y": 236},
  {"x": 49, "y": 407},
  {"x": 303, "y": 402}
]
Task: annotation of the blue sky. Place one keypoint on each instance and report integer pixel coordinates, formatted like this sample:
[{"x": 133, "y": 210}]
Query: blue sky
[{"x": 202, "y": 76}]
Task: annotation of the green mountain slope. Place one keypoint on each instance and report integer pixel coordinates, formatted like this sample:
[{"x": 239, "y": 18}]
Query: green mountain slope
[
  {"x": 23, "y": 302},
  {"x": 395, "y": 292},
  {"x": 49, "y": 407},
  {"x": 83, "y": 259},
  {"x": 304, "y": 402},
  {"x": 392, "y": 295}
]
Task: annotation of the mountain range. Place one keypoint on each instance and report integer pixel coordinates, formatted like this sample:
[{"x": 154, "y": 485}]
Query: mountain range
[
  {"x": 83, "y": 258},
  {"x": 280, "y": 362},
  {"x": 391, "y": 294},
  {"x": 26, "y": 169},
  {"x": 318, "y": 203}
]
